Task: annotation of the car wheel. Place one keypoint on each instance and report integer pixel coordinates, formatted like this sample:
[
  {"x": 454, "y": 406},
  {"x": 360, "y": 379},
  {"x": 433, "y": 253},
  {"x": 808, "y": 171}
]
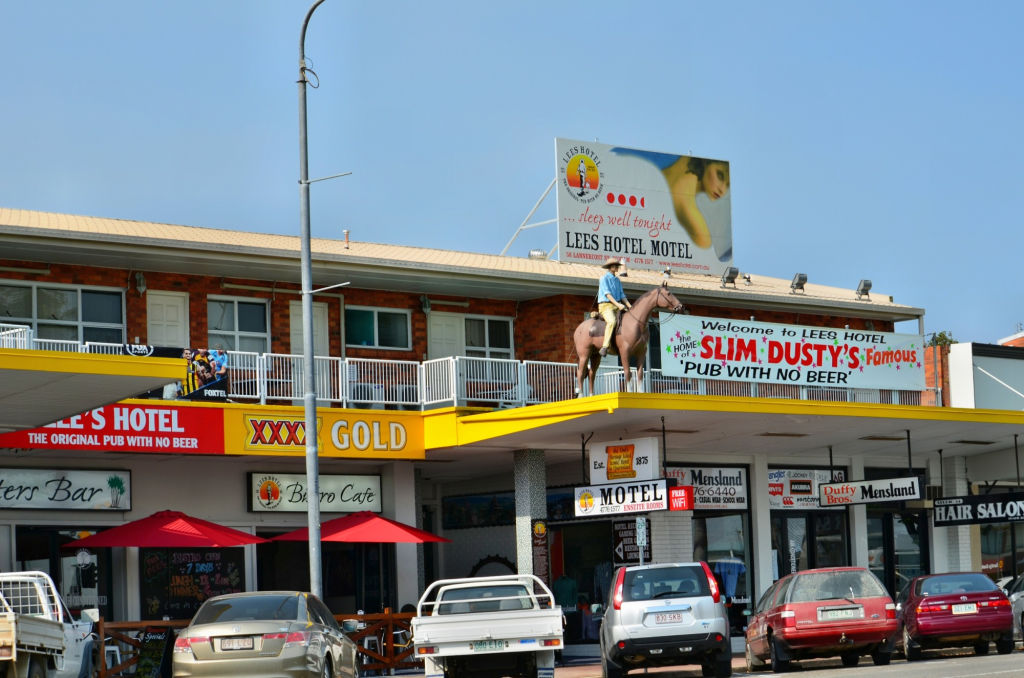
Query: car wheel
[
  {"x": 850, "y": 658},
  {"x": 881, "y": 658},
  {"x": 778, "y": 665},
  {"x": 610, "y": 670},
  {"x": 981, "y": 648},
  {"x": 753, "y": 663},
  {"x": 1005, "y": 644},
  {"x": 723, "y": 665},
  {"x": 326, "y": 671},
  {"x": 911, "y": 652},
  {"x": 707, "y": 669}
]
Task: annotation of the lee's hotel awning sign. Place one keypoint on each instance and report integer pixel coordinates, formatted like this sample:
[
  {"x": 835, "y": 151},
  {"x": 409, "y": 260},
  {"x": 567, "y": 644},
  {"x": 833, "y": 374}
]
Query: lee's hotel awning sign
[
  {"x": 739, "y": 350},
  {"x": 138, "y": 426}
]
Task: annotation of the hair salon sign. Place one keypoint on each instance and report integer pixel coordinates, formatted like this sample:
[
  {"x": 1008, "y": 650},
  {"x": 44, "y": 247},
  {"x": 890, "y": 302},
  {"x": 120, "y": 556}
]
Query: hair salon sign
[{"x": 64, "y": 490}]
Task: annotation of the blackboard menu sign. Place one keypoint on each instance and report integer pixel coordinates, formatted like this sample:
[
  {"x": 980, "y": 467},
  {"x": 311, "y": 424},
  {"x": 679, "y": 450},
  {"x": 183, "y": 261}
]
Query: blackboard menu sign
[
  {"x": 155, "y": 652},
  {"x": 175, "y": 582}
]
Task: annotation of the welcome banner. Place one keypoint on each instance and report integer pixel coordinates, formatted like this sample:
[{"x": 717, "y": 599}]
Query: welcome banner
[{"x": 740, "y": 350}]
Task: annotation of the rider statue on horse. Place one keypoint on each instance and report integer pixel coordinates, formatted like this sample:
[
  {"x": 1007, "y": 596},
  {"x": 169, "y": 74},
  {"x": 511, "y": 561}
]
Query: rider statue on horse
[{"x": 627, "y": 336}]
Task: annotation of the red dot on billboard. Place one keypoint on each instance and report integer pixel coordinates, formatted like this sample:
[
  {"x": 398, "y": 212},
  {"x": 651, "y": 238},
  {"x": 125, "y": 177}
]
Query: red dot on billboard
[
  {"x": 632, "y": 200},
  {"x": 642, "y": 202},
  {"x": 622, "y": 199},
  {"x": 611, "y": 198}
]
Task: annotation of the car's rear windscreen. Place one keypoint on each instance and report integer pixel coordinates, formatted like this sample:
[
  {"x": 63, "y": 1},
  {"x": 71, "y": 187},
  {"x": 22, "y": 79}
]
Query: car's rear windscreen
[
  {"x": 249, "y": 608},
  {"x": 675, "y": 581},
  {"x": 837, "y": 585}
]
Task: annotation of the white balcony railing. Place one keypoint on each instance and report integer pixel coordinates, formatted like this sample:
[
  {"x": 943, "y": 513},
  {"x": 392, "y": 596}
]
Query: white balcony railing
[{"x": 459, "y": 380}]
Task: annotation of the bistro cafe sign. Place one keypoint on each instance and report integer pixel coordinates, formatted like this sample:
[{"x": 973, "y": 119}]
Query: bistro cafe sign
[
  {"x": 869, "y": 491},
  {"x": 282, "y": 492}
]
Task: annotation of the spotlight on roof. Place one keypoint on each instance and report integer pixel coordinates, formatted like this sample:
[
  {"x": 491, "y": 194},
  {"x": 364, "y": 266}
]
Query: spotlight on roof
[
  {"x": 863, "y": 287},
  {"x": 799, "y": 280},
  {"x": 729, "y": 276},
  {"x": 746, "y": 279},
  {"x": 537, "y": 254}
]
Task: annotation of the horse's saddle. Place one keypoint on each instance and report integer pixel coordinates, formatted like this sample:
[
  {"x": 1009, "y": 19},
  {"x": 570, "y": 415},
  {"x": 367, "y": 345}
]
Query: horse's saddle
[{"x": 597, "y": 327}]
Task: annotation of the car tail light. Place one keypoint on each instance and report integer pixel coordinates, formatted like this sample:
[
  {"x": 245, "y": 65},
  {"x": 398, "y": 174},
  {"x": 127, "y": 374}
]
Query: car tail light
[
  {"x": 789, "y": 617},
  {"x": 297, "y": 638},
  {"x": 890, "y": 611},
  {"x": 930, "y": 608},
  {"x": 1002, "y": 602},
  {"x": 184, "y": 643},
  {"x": 551, "y": 642},
  {"x": 426, "y": 649},
  {"x": 620, "y": 578},
  {"x": 716, "y": 594}
]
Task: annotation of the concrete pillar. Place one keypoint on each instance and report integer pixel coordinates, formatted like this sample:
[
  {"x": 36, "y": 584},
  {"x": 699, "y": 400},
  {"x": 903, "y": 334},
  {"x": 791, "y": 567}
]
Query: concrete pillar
[
  {"x": 399, "y": 502},
  {"x": 530, "y": 475},
  {"x": 858, "y": 520},
  {"x": 958, "y": 538},
  {"x": 938, "y": 553},
  {"x": 760, "y": 519}
]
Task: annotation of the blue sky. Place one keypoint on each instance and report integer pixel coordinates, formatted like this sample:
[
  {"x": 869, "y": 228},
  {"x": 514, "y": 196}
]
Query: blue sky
[{"x": 867, "y": 139}]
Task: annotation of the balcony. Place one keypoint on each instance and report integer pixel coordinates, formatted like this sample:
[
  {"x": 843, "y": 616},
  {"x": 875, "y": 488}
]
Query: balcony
[{"x": 455, "y": 381}]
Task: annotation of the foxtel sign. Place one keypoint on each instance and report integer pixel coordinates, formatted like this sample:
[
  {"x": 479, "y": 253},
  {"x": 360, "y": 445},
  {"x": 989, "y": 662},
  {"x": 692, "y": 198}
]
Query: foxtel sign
[{"x": 869, "y": 491}]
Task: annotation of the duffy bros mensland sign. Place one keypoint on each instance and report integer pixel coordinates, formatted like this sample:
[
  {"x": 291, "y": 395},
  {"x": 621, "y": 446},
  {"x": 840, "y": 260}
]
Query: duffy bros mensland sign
[{"x": 869, "y": 491}]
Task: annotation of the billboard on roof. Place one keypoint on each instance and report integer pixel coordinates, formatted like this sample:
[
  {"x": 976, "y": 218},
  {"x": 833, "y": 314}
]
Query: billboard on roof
[{"x": 651, "y": 210}]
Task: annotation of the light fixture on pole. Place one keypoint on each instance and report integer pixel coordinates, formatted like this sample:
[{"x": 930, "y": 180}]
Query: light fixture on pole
[
  {"x": 863, "y": 287},
  {"x": 308, "y": 381},
  {"x": 799, "y": 280}
]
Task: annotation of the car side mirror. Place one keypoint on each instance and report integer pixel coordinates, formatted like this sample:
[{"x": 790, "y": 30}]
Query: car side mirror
[
  {"x": 899, "y": 607},
  {"x": 747, "y": 612},
  {"x": 91, "y": 614}
]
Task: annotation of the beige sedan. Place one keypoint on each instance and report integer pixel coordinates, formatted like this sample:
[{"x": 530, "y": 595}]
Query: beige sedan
[{"x": 262, "y": 634}]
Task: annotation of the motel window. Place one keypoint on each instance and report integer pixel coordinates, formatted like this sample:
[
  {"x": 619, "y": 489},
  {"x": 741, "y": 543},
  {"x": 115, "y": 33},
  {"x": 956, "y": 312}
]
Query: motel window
[
  {"x": 378, "y": 328},
  {"x": 238, "y": 324},
  {"x": 489, "y": 337},
  {"x": 64, "y": 312}
]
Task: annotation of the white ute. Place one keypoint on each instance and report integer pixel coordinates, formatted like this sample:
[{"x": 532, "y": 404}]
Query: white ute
[
  {"x": 488, "y": 626},
  {"x": 38, "y": 637}
]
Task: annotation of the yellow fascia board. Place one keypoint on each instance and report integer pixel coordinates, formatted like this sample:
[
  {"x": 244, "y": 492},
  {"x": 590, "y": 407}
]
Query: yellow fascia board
[{"x": 64, "y": 362}]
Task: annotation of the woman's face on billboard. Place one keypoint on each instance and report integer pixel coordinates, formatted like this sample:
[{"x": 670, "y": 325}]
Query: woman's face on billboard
[{"x": 715, "y": 181}]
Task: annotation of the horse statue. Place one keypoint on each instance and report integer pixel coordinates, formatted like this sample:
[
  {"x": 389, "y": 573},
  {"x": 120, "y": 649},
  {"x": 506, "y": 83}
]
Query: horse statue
[{"x": 630, "y": 339}]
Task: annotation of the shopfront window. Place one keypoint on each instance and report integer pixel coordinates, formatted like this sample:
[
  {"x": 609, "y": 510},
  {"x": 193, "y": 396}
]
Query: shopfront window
[
  {"x": 997, "y": 550},
  {"x": 721, "y": 541},
  {"x": 82, "y": 576},
  {"x": 807, "y": 539}
]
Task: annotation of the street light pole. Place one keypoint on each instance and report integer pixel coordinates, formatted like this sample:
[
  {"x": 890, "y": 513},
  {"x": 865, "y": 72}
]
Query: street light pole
[{"x": 308, "y": 380}]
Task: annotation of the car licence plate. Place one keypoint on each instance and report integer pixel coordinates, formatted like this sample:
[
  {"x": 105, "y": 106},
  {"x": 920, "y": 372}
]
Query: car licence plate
[
  {"x": 965, "y": 608},
  {"x": 842, "y": 613},
  {"x": 236, "y": 643},
  {"x": 668, "y": 618},
  {"x": 488, "y": 645}
]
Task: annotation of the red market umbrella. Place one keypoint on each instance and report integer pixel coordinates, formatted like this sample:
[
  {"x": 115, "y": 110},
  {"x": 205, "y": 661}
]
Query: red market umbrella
[
  {"x": 168, "y": 529},
  {"x": 365, "y": 527}
]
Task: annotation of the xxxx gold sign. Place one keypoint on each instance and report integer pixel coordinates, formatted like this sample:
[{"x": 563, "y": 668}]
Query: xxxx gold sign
[{"x": 283, "y": 432}]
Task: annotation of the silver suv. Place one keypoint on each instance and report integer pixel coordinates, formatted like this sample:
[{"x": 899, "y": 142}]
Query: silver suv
[{"x": 665, "y": 614}]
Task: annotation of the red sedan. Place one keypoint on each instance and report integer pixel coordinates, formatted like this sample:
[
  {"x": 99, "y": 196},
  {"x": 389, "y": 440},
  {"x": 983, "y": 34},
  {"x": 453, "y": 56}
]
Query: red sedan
[
  {"x": 959, "y": 609},
  {"x": 831, "y": 611}
]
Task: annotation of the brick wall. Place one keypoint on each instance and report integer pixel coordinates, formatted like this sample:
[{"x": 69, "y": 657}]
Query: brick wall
[{"x": 543, "y": 327}]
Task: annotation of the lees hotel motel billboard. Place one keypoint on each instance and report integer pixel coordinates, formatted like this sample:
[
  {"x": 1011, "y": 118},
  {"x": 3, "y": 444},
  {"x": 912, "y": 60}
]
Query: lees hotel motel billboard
[{"x": 651, "y": 210}]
